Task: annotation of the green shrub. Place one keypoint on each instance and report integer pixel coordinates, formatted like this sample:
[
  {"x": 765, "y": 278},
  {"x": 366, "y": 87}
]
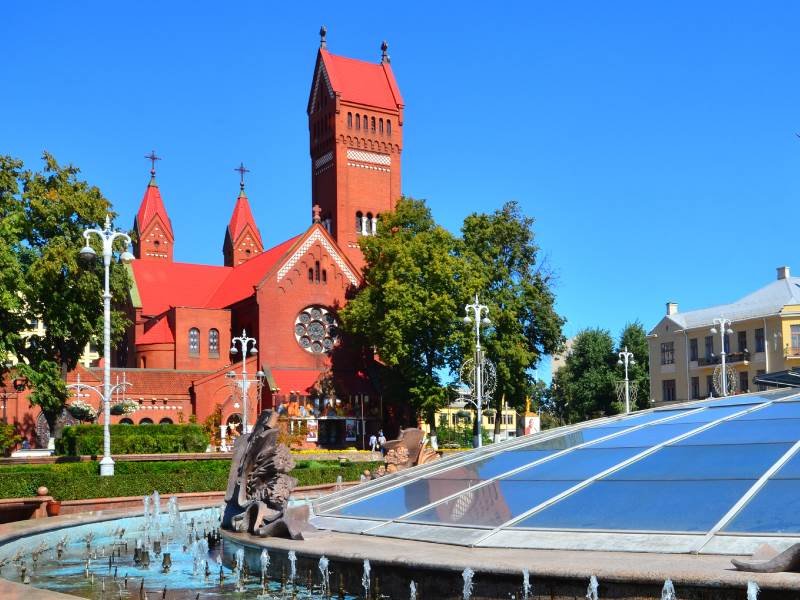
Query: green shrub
[
  {"x": 80, "y": 440},
  {"x": 80, "y": 480}
]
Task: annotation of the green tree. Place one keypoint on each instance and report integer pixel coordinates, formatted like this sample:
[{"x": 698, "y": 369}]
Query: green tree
[
  {"x": 502, "y": 256},
  {"x": 42, "y": 219},
  {"x": 634, "y": 337},
  {"x": 407, "y": 310},
  {"x": 584, "y": 387}
]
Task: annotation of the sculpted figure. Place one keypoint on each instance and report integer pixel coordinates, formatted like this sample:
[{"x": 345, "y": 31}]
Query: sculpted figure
[{"x": 259, "y": 484}]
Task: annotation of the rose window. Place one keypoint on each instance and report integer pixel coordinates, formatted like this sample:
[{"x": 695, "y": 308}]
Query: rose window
[{"x": 315, "y": 330}]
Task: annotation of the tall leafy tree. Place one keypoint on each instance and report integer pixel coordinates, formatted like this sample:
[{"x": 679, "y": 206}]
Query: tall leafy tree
[
  {"x": 501, "y": 254},
  {"x": 634, "y": 337},
  {"x": 408, "y": 307},
  {"x": 42, "y": 218},
  {"x": 584, "y": 387}
]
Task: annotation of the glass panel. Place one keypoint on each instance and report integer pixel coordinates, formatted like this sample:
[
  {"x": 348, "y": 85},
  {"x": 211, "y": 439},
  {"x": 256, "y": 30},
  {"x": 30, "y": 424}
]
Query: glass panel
[
  {"x": 640, "y": 419},
  {"x": 704, "y": 462},
  {"x": 790, "y": 470},
  {"x": 772, "y": 510},
  {"x": 493, "y": 504},
  {"x": 577, "y": 465},
  {"x": 648, "y": 436},
  {"x": 748, "y": 398},
  {"x": 494, "y": 465},
  {"x": 781, "y": 410},
  {"x": 709, "y": 414},
  {"x": 748, "y": 432},
  {"x": 643, "y": 506},
  {"x": 398, "y": 501}
]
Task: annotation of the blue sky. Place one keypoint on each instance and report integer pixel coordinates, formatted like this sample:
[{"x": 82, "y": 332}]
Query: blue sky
[{"x": 654, "y": 143}]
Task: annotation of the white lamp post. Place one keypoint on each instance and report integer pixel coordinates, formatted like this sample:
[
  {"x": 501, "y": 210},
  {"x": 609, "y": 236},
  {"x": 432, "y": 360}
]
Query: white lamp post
[
  {"x": 107, "y": 235},
  {"x": 247, "y": 345},
  {"x": 480, "y": 316},
  {"x": 723, "y": 325},
  {"x": 626, "y": 358}
]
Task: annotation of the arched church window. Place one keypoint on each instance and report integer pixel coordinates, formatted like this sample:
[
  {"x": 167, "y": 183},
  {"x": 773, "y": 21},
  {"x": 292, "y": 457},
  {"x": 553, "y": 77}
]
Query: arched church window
[
  {"x": 373, "y": 125},
  {"x": 213, "y": 342},
  {"x": 194, "y": 341},
  {"x": 358, "y": 121},
  {"x": 324, "y": 276},
  {"x": 359, "y": 216},
  {"x": 165, "y": 421},
  {"x": 380, "y": 126},
  {"x": 310, "y": 274},
  {"x": 349, "y": 120},
  {"x": 388, "y": 127},
  {"x": 316, "y": 271}
]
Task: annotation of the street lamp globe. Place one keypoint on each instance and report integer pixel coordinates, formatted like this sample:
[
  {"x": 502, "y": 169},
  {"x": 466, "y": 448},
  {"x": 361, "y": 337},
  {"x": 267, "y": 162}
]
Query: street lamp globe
[
  {"x": 713, "y": 330},
  {"x": 253, "y": 350},
  {"x": 126, "y": 257},
  {"x": 467, "y": 320},
  {"x": 619, "y": 362},
  {"x": 230, "y": 375},
  {"x": 260, "y": 374},
  {"x": 486, "y": 321},
  {"x": 234, "y": 350},
  {"x": 87, "y": 253}
]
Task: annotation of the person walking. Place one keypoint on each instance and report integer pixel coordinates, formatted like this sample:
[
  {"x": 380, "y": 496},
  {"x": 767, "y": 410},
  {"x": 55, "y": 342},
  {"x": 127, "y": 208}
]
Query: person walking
[
  {"x": 373, "y": 442},
  {"x": 382, "y": 442}
]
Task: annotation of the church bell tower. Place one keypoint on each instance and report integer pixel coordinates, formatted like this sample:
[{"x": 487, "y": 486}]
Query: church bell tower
[{"x": 355, "y": 125}]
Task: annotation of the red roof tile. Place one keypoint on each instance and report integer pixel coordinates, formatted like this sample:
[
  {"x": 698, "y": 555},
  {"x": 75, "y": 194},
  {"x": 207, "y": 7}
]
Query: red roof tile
[
  {"x": 240, "y": 282},
  {"x": 153, "y": 205},
  {"x": 362, "y": 82},
  {"x": 241, "y": 218},
  {"x": 155, "y": 382},
  {"x": 158, "y": 332},
  {"x": 164, "y": 284}
]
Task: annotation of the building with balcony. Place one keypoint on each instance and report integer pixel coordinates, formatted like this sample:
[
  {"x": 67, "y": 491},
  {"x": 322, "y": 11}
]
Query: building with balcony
[{"x": 765, "y": 337}]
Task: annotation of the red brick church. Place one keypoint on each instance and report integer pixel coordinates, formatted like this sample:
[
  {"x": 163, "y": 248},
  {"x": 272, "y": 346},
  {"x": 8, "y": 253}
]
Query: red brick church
[{"x": 177, "y": 353}]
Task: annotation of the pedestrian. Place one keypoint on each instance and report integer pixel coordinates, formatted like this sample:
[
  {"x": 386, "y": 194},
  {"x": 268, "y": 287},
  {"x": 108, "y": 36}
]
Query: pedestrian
[
  {"x": 373, "y": 442},
  {"x": 382, "y": 442}
]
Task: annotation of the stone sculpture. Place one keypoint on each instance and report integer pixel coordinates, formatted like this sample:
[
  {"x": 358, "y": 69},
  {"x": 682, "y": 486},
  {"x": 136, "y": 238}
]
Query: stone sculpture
[
  {"x": 259, "y": 484},
  {"x": 406, "y": 451},
  {"x": 786, "y": 561}
]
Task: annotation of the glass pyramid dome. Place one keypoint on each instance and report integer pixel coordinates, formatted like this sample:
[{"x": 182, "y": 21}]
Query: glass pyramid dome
[{"x": 719, "y": 476}]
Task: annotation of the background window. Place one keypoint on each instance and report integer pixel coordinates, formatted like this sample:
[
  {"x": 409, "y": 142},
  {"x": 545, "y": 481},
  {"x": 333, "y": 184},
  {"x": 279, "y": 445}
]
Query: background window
[
  {"x": 742, "y": 340},
  {"x": 213, "y": 342},
  {"x": 668, "y": 386},
  {"x": 695, "y": 388},
  {"x": 709, "y": 347},
  {"x": 710, "y": 385},
  {"x": 668, "y": 353},
  {"x": 194, "y": 341},
  {"x": 760, "y": 339},
  {"x": 693, "y": 349},
  {"x": 795, "y": 339},
  {"x": 744, "y": 381}
]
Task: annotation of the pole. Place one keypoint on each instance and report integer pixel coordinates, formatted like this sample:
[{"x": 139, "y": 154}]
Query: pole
[
  {"x": 107, "y": 464},
  {"x": 245, "y": 389}
]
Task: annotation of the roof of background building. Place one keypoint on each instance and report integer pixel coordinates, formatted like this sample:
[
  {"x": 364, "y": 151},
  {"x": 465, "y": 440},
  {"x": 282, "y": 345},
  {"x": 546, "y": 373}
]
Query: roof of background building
[
  {"x": 241, "y": 217},
  {"x": 769, "y": 300},
  {"x": 164, "y": 284},
  {"x": 152, "y": 205},
  {"x": 362, "y": 82},
  {"x": 158, "y": 332}
]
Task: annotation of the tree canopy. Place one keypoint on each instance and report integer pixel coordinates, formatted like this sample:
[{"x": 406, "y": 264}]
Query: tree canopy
[
  {"x": 418, "y": 278},
  {"x": 42, "y": 218}
]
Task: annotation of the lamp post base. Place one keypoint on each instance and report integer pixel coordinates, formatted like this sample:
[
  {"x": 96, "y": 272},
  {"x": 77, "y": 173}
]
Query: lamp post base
[{"x": 106, "y": 467}]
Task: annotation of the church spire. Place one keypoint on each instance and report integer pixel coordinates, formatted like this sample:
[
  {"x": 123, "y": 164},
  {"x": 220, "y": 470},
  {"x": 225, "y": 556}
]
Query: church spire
[
  {"x": 242, "y": 238},
  {"x": 154, "y": 237}
]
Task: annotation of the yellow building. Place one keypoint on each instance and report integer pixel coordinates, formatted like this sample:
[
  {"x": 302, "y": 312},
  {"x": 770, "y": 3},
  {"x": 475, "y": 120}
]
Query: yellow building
[
  {"x": 89, "y": 358},
  {"x": 764, "y": 337},
  {"x": 458, "y": 416}
]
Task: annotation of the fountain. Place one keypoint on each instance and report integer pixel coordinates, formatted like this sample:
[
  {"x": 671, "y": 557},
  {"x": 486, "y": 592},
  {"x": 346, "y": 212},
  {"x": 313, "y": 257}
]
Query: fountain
[
  {"x": 292, "y": 566},
  {"x": 338, "y": 486},
  {"x": 591, "y": 591},
  {"x": 668, "y": 592},
  {"x": 365, "y": 579},
  {"x": 526, "y": 584},
  {"x": 467, "y": 574},
  {"x": 239, "y": 570},
  {"x": 264, "y": 560},
  {"x": 412, "y": 591},
  {"x": 324, "y": 576},
  {"x": 752, "y": 590}
]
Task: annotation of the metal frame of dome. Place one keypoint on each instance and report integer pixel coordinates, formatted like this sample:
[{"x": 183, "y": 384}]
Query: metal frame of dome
[{"x": 713, "y": 476}]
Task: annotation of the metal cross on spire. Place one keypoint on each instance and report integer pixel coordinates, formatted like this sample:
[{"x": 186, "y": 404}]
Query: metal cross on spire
[
  {"x": 242, "y": 170},
  {"x": 152, "y": 158}
]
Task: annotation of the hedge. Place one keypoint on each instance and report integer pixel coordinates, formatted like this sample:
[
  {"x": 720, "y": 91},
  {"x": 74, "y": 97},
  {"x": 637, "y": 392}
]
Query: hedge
[
  {"x": 77, "y": 440},
  {"x": 77, "y": 481}
]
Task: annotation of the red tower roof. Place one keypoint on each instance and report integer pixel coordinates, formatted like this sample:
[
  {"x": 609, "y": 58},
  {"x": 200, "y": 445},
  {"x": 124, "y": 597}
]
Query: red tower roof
[
  {"x": 241, "y": 218},
  {"x": 362, "y": 82},
  {"x": 152, "y": 205}
]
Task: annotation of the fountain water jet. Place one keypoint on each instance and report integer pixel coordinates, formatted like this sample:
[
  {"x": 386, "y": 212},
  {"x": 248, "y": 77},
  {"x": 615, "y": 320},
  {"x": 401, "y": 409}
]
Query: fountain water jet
[
  {"x": 365, "y": 579},
  {"x": 292, "y": 566},
  {"x": 591, "y": 591},
  {"x": 264, "y": 559},
  {"x": 412, "y": 590},
  {"x": 752, "y": 590},
  {"x": 668, "y": 592},
  {"x": 467, "y": 574},
  {"x": 526, "y": 584},
  {"x": 324, "y": 575}
]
